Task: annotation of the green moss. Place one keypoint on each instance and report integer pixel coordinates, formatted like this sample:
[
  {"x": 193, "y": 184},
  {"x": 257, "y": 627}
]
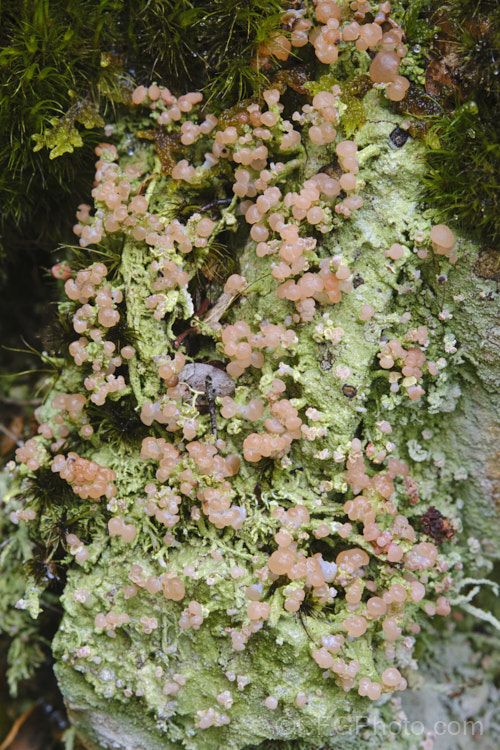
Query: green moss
[
  {"x": 463, "y": 176},
  {"x": 417, "y": 22},
  {"x": 464, "y": 146},
  {"x": 63, "y": 136},
  {"x": 63, "y": 64}
]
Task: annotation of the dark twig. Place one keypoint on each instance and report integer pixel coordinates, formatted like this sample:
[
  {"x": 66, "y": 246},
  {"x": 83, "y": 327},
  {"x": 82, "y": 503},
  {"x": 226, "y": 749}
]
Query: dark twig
[{"x": 209, "y": 393}]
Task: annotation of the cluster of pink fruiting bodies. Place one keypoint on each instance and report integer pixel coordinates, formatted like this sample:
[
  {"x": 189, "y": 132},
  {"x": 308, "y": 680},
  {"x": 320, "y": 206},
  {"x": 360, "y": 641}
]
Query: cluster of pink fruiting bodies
[
  {"x": 326, "y": 38},
  {"x": 284, "y": 227}
]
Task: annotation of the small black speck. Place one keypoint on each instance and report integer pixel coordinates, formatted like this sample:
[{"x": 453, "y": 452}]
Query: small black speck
[
  {"x": 357, "y": 281},
  {"x": 398, "y": 137},
  {"x": 349, "y": 391}
]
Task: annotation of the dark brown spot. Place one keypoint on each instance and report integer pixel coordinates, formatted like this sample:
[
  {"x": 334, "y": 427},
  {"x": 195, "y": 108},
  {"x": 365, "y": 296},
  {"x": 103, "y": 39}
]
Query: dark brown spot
[
  {"x": 295, "y": 78},
  {"x": 487, "y": 265},
  {"x": 398, "y": 137},
  {"x": 349, "y": 391},
  {"x": 357, "y": 281},
  {"x": 436, "y": 525},
  {"x": 167, "y": 145},
  {"x": 439, "y": 82}
]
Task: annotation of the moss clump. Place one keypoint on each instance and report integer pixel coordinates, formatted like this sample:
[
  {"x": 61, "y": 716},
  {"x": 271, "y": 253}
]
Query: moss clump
[
  {"x": 65, "y": 65},
  {"x": 463, "y": 176},
  {"x": 463, "y": 74}
]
